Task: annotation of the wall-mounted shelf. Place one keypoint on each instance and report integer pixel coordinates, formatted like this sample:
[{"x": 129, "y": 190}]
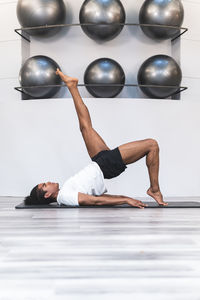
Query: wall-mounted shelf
[
  {"x": 22, "y": 31},
  {"x": 180, "y": 88}
]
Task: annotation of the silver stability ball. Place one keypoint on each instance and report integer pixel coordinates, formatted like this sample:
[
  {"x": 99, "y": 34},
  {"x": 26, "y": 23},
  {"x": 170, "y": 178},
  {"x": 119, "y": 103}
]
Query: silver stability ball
[
  {"x": 161, "y": 12},
  {"x": 104, "y": 71},
  {"x": 102, "y": 11},
  {"x": 160, "y": 70},
  {"x": 40, "y": 70},
  {"x": 33, "y": 13}
]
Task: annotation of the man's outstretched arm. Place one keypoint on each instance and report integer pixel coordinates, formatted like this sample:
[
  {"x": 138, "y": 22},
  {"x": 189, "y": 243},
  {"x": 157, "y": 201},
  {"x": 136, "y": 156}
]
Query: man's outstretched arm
[{"x": 85, "y": 199}]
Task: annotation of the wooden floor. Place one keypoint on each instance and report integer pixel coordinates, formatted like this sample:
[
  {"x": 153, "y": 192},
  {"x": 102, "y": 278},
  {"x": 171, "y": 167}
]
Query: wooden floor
[{"x": 104, "y": 253}]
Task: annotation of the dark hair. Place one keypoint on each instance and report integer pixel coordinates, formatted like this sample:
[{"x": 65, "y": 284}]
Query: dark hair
[{"x": 37, "y": 197}]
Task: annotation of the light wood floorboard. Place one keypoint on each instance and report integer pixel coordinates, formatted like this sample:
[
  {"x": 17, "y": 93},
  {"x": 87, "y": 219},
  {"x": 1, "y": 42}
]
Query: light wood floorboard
[{"x": 104, "y": 253}]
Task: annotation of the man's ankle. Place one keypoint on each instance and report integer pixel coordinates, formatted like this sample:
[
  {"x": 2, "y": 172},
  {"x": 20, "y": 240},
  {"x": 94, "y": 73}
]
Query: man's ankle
[{"x": 155, "y": 189}]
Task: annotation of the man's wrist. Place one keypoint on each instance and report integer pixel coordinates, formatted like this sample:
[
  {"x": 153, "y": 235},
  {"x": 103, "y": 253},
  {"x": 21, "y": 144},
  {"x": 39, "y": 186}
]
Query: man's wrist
[{"x": 128, "y": 200}]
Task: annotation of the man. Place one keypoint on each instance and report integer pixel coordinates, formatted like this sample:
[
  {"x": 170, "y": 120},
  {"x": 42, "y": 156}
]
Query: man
[{"x": 88, "y": 186}]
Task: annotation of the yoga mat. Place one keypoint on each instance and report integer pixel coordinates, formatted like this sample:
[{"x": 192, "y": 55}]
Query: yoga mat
[{"x": 150, "y": 205}]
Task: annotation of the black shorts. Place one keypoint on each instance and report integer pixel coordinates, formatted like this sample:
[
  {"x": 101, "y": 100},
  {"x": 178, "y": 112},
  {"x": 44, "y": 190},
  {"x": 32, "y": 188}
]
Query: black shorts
[{"x": 110, "y": 163}]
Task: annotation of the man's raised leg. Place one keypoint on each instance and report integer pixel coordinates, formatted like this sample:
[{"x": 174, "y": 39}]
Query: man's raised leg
[{"x": 93, "y": 141}]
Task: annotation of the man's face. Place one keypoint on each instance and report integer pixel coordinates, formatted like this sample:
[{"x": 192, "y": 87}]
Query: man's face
[{"x": 50, "y": 188}]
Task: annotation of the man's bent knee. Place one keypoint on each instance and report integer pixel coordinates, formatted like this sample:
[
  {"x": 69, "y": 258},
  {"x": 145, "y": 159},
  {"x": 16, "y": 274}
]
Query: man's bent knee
[{"x": 153, "y": 144}]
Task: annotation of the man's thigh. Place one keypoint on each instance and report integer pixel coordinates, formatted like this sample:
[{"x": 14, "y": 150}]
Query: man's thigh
[
  {"x": 133, "y": 151},
  {"x": 93, "y": 141}
]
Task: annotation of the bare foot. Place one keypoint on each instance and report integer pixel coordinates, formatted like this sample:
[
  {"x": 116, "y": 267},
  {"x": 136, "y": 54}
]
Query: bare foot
[
  {"x": 69, "y": 81},
  {"x": 157, "y": 196}
]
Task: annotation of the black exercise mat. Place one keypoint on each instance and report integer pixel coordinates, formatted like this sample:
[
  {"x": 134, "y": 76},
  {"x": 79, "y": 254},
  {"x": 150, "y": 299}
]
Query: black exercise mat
[{"x": 150, "y": 205}]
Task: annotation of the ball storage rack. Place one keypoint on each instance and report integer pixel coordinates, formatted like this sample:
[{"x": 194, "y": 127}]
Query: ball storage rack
[
  {"x": 22, "y": 32},
  {"x": 179, "y": 88},
  {"x": 24, "y": 35}
]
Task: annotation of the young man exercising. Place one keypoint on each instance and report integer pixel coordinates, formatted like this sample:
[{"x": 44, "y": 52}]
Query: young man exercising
[{"x": 87, "y": 187}]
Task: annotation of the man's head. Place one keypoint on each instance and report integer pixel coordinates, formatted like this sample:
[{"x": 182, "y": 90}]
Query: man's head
[{"x": 43, "y": 193}]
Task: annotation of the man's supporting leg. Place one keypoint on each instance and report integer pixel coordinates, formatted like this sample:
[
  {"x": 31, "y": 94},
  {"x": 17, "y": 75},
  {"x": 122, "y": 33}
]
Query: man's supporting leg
[{"x": 134, "y": 151}]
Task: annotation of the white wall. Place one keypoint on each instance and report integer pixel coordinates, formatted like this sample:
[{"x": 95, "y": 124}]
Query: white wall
[{"x": 40, "y": 139}]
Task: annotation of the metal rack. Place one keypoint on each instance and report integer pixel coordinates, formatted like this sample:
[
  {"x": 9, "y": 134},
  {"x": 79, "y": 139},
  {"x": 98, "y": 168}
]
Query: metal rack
[
  {"x": 22, "y": 31},
  {"x": 180, "y": 88}
]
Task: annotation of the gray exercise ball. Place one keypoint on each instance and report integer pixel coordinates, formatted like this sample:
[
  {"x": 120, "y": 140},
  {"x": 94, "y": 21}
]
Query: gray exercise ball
[
  {"x": 159, "y": 70},
  {"x": 104, "y": 71},
  {"x": 161, "y": 12},
  {"x": 40, "y": 70},
  {"x": 33, "y": 13},
  {"x": 102, "y": 11}
]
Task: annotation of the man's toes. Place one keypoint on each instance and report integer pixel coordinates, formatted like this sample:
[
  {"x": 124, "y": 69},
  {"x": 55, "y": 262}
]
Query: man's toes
[
  {"x": 163, "y": 204},
  {"x": 140, "y": 206}
]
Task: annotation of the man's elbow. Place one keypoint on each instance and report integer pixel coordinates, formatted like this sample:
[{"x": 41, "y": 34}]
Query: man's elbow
[
  {"x": 91, "y": 202},
  {"x": 98, "y": 202},
  {"x": 88, "y": 200}
]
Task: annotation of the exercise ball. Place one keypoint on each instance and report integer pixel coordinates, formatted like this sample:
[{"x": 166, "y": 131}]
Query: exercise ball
[
  {"x": 37, "y": 71},
  {"x": 104, "y": 71},
  {"x": 102, "y": 11},
  {"x": 161, "y": 12},
  {"x": 33, "y": 13},
  {"x": 159, "y": 70}
]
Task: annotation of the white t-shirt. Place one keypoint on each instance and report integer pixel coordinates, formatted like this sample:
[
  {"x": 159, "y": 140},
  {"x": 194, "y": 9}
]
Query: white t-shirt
[{"x": 89, "y": 181}]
